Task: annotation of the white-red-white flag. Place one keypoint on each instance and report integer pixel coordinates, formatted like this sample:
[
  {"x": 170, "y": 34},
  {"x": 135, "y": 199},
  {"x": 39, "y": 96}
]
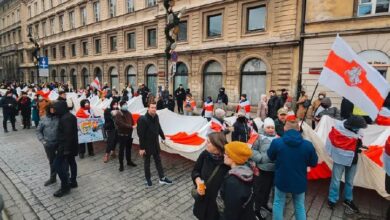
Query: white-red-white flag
[
  {"x": 353, "y": 78},
  {"x": 96, "y": 84}
]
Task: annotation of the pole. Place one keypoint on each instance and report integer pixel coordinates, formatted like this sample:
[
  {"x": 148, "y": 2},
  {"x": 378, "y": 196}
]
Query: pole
[{"x": 311, "y": 101}]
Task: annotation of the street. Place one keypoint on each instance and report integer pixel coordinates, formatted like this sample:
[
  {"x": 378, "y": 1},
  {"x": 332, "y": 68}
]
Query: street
[{"x": 105, "y": 193}]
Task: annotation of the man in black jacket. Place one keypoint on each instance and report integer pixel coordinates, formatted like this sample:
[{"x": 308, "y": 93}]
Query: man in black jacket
[
  {"x": 346, "y": 109},
  {"x": 148, "y": 130},
  {"x": 273, "y": 105},
  {"x": 222, "y": 97},
  {"x": 67, "y": 148},
  {"x": 9, "y": 105},
  {"x": 180, "y": 95}
]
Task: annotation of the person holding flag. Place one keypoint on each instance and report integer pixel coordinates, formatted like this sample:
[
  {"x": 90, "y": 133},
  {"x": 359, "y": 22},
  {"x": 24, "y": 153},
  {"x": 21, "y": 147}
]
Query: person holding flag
[
  {"x": 96, "y": 84},
  {"x": 244, "y": 105}
]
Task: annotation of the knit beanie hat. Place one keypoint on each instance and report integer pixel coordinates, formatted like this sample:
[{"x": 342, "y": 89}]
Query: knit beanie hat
[
  {"x": 219, "y": 113},
  {"x": 355, "y": 122},
  {"x": 269, "y": 122},
  {"x": 238, "y": 151}
]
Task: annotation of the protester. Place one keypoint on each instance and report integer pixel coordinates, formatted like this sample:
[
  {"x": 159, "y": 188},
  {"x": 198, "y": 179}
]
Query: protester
[
  {"x": 124, "y": 125},
  {"x": 384, "y": 114},
  {"x": 208, "y": 173},
  {"x": 35, "y": 112},
  {"x": 302, "y": 105},
  {"x": 244, "y": 105},
  {"x": 143, "y": 91},
  {"x": 241, "y": 130},
  {"x": 189, "y": 105},
  {"x": 386, "y": 160},
  {"x": 262, "y": 107},
  {"x": 42, "y": 105},
  {"x": 110, "y": 130},
  {"x": 208, "y": 108},
  {"x": 170, "y": 104},
  {"x": 9, "y": 105},
  {"x": 180, "y": 95},
  {"x": 47, "y": 133},
  {"x": 67, "y": 149},
  {"x": 292, "y": 155},
  {"x": 85, "y": 111},
  {"x": 284, "y": 97},
  {"x": 315, "y": 108},
  {"x": 160, "y": 103},
  {"x": 265, "y": 181},
  {"x": 236, "y": 190},
  {"x": 327, "y": 109},
  {"x": 148, "y": 129},
  {"x": 280, "y": 122},
  {"x": 346, "y": 109},
  {"x": 115, "y": 95},
  {"x": 343, "y": 145},
  {"x": 125, "y": 96},
  {"x": 24, "y": 106},
  {"x": 273, "y": 105},
  {"x": 62, "y": 97},
  {"x": 359, "y": 112},
  {"x": 222, "y": 97},
  {"x": 218, "y": 123},
  {"x": 188, "y": 92},
  {"x": 130, "y": 91}
]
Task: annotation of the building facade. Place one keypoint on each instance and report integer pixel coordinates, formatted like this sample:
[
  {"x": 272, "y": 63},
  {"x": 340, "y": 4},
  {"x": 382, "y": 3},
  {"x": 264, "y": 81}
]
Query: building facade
[
  {"x": 246, "y": 46},
  {"x": 364, "y": 25}
]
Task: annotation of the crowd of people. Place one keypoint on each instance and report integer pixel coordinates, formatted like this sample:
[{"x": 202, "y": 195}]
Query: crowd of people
[{"x": 232, "y": 179}]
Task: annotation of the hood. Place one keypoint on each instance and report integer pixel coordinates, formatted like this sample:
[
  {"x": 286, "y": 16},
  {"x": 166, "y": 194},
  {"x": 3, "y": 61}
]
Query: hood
[
  {"x": 242, "y": 172},
  {"x": 61, "y": 108},
  {"x": 292, "y": 138}
]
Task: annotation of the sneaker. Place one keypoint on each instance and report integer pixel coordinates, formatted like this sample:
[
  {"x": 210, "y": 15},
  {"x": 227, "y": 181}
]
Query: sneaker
[
  {"x": 73, "y": 185},
  {"x": 331, "y": 205},
  {"x": 49, "y": 182},
  {"x": 148, "y": 183},
  {"x": 165, "y": 181},
  {"x": 351, "y": 206},
  {"x": 131, "y": 163}
]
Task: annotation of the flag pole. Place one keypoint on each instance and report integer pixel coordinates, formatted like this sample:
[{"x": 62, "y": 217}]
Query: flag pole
[{"x": 311, "y": 101}]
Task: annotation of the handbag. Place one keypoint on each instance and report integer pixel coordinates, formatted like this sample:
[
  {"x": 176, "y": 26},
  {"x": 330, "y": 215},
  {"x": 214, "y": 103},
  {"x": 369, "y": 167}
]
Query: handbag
[{"x": 194, "y": 191}]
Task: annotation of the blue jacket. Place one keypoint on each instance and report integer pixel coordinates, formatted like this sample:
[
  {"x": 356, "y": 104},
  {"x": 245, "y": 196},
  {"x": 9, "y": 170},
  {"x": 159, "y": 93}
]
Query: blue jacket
[{"x": 292, "y": 155}]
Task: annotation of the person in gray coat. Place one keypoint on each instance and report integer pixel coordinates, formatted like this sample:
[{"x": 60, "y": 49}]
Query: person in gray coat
[
  {"x": 264, "y": 181},
  {"x": 47, "y": 135}
]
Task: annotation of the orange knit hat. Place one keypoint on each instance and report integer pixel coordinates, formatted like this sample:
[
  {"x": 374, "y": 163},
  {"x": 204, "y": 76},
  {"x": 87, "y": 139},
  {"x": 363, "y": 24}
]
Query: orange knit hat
[{"x": 238, "y": 151}]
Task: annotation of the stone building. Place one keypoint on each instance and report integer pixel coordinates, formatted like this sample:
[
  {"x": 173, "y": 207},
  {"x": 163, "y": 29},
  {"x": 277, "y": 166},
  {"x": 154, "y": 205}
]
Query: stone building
[
  {"x": 364, "y": 25},
  {"x": 246, "y": 46}
]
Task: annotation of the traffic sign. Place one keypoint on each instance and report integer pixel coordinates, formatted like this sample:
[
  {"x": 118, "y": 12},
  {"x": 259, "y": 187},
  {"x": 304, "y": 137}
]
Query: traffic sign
[
  {"x": 174, "y": 68},
  {"x": 174, "y": 56},
  {"x": 43, "y": 64}
]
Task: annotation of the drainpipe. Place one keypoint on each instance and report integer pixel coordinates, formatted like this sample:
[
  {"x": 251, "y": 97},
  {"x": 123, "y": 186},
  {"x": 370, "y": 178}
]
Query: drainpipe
[{"x": 301, "y": 44}]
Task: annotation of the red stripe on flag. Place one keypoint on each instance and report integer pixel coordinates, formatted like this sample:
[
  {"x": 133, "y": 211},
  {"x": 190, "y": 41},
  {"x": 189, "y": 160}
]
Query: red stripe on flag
[
  {"x": 341, "y": 141},
  {"x": 340, "y": 67}
]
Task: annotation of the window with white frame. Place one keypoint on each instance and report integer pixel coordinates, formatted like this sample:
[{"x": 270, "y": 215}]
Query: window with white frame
[
  {"x": 52, "y": 28},
  {"x": 35, "y": 8},
  {"x": 29, "y": 12},
  {"x": 71, "y": 19},
  {"x": 43, "y": 5},
  {"x": 44, "y": 28},
  {"x": 18, "y": 15},
  {"x": 373, "y": 7},
  {"x": 130, "y": 6},
  {"x": 96, "y": 11},
  {"x": 83, "y": 13},
  {"x": 50, "y": 3},
  {"x": 61, "y": 22},
  {"x": 112, "y": 8},
  {"x": 151, "y": 3}
]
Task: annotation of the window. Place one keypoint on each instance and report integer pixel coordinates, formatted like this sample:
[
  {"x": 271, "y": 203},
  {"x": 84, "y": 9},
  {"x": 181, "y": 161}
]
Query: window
[
  {"x": 372, "y": 7},
  {"x": 50, "y": 3},
  {"x": 255, "y": 18},
  {"x": 35, "y": 8},
  {"x": 61, "y": 22},
  {"x": 114, "y": 78},
  {"x": 181, "y": 76},
  {"x": 43, "y": 5},
  {"x": 214, "y": 25},
  {"x": 85, "y": 48},
  {"x": 52, "y": 28},
  {"x": 62, "y": 76},
  {"x": 182, "y": 36},
  {"x": 85, "y": 77},
  {"x": 13, "y": 18},
  {"x": 30, "y": 31},
  {"x": 152, "y": 42},
  {"x": 46, "y": 52},
  {"x": 151, "y": 3},
  {"x": 44, "y": 28},
  {"x": 253, "y": 80},
  {"x": 83, "y": 14},
  {"x": 98, "y": 74},
  {"x": 130, "y": 41},
  {"x": 29, "y": 12},
  {"x": 71, "y": 19},
  {"x": 212, "y": 79},
  {"x": 130, "y": 6},
  {"x": 73, "y": 49},
  {"x": 20, "y": 36},
  {"x": 63, "y": 52},
  {"x": 98, "y": 46},
  {"x": 18, "y": 15},
  {"x": 113, "y": 43},
  {"x": 73, "y": 79},
  {"x": 54, "y": 53},
  {"x": 131, "y": 76},
  {"x": 96, "y": 11},
  {"x": 37, "y": 29},
  {"x": 151, "y": 78},
  {"x": 112, "y": 8}
]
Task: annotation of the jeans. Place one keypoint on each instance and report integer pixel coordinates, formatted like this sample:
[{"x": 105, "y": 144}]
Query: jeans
[
  {"x": 111, "y": 140},
  {"x": 280, "y": 201},
  {"x": 82, "y": 148},
  {"x": 51, "y": 154},
  {"x": 125, "y": 143},
  {"x": 10, "y": 117},
  {"x": 337, "y": 173},
  {"x": 157, "y": 161}
]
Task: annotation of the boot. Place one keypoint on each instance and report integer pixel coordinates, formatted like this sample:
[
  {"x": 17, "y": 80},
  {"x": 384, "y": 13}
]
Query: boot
[
  {"x": 105, "y": 158},
  {"x": 121, "y": 168},
  {"x": 5, "y": 130},
  {"x": 14, "y": 129},
  {"x": 50, "y": 181},
  {"x": 131, "y": 163},
  {"x": 73, "y": 184},
  {"x": 62, "y": 192}
]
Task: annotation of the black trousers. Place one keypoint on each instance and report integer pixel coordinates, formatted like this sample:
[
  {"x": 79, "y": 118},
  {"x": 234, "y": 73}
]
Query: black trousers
[
  {"x": 263, "y": 185},
  {"x": 71, "y": 163},
  {"x": 111, "y": 140},
  {"x": 125, "y": 143},
  {"x": 8, "y": 117},
  {"x": 26, "y": 119},
  {"x": 180, "y": 106},
  {"x": 62, "y": 163},
  {"x": 157, "y": 161},
  {"x": 51, "y": 155},
  {"x": 82, "y": 148}
]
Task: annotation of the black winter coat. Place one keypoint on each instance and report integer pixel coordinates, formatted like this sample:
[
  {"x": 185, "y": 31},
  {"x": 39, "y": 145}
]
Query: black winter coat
[
  {"x": 171, "y": 105},
  {"x": 148, "y": 130},
  {"x": 273, "y": 107},
  {"x": 68, "y": 139},
  {"x": 346, "y": 109},
  {"x": 108, "y": 120},
  {"x": 180, "y": 94},
  {"x": 241, "y": 132},
  {"x": 223, "y": 97},
  {"x": 205, "y": 208},
  {"x": 24, "y": 104},
  {"x": 9, "y": 105},
  {"x": 160, "y": 104}
]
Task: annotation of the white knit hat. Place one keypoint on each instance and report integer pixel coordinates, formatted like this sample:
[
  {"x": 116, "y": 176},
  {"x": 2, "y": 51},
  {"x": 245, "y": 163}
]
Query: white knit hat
[
  {"x": 268, "y": 122},
  {"x": 219, "y": 113}
]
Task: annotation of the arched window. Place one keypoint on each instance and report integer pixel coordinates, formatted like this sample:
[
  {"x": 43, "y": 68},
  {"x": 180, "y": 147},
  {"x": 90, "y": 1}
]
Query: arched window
[
  {"x": 62, "y": 76},
  {"x": 54, "y": 75},
  {"x": 151, "y": 78},
  {"x": 98, "y": 74},
  {"x": 212, "y": 80},
  {"x": 379, "y": 60},
  {"x": 253, "y": 80},
  {"x": 73, "y": 79},
  {"x": 132, "y": 77},
  {"x": 32, "y": 76},
  {"x": 181, "y": 76},
  {"x": 114, "y": 78},
  {"x": 85, "y": 77}
]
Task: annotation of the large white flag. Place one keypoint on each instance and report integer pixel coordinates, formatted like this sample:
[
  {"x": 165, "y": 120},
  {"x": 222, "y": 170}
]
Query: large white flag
[
  {"x": 96, "y": 84},
  {"x": 353, "y": 78}
]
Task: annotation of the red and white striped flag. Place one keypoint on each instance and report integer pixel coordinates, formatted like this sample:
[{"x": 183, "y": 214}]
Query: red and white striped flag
[
  {"x": 96, "y": 84},
  {"x": 350, "y": 76}
]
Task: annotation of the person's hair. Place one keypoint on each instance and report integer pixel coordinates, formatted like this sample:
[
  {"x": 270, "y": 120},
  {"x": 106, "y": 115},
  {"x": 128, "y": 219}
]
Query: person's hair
[
  {"x": 291, "y": 124},
  {"x": 61, "y": 92},
  {"x": 218, "y": 140},
  {"x": 152, "y": 103},
  {"x": 123, "y": 102}
]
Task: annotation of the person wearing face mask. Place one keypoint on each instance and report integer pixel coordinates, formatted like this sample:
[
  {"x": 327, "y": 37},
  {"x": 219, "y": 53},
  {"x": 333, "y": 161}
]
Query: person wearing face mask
[
  {"x": 189, "y": 105},
  {"x": 314, "y": 107},
  {"x": 343, "y": 145},
  {"x": 222, "y": 97},
  {"x": 35, "y": 112},
  {"x": 302, "y": 106},
  {"x": 207, "y": 176},
  {"x": 124, "y": 126},
  {"x": 241, "y": 129},
  {"x": 327, "y": 109},
  {"x": 208, "y": 108},
  {"x": 273, "y": 105},
  {"x": 24, "y": 104},
  {"x": 9, "y": 105},
  {"x": 110, "y": 130},
  {"x": 180, "y": 95},
  {"x": 244, "y": 105},
  {"x": 85, "y": 111}
]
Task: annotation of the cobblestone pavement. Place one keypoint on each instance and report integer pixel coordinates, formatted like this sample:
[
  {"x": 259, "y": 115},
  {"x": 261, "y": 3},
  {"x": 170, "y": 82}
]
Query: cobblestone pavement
[{"x": 105, "y": 193}]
